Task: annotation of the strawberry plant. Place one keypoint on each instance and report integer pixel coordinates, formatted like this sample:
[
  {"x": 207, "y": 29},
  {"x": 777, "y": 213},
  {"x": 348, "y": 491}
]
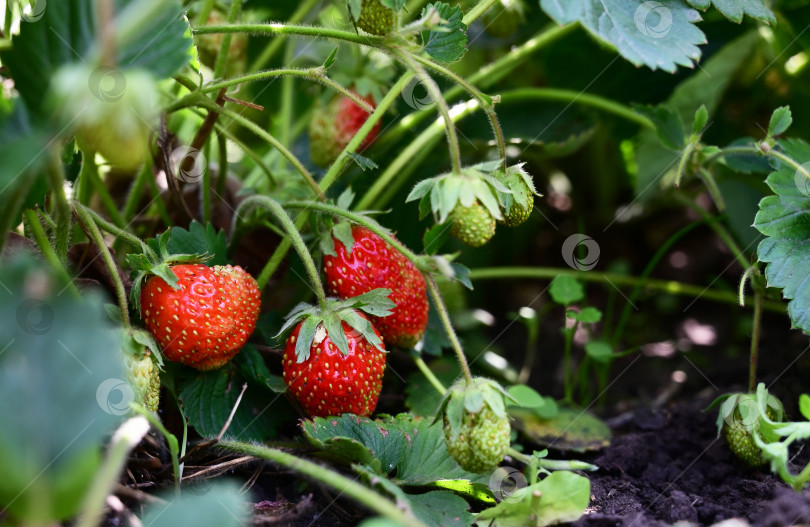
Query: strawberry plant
[{"x": 283, "y": 246}]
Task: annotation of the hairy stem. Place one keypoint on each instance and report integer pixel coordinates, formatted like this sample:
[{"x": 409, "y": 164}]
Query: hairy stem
[
  {"x": 61, "y": 206},
  {"x": 289, "y": 29},
  {"x": 272, "y": 48},
  {"x": 338, "y": 482},
  {"x": 225, "y": 45},
  {"x": 293, "y": 236},
  {"x": 755, "y": 330},
  {"x": 444, "y": 316},
  {"x": 41, "y": 238},
  {"x": 93, "y": 232},
  {"x": 434, "y": 381}
]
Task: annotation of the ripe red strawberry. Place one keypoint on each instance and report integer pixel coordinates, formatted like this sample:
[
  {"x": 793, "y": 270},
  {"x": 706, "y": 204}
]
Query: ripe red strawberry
[
  {"x": 328, "y": 382},
  {"x": 332, "y": 127},
  {"x": 372, "y": 264},
  {"x": 207, "y": 320}
]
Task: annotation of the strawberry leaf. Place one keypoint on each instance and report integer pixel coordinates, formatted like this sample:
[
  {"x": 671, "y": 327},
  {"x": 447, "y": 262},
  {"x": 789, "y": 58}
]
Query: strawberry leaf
[
  {"x": 364, "y": 327},
  {"x": 566, "y": 290},
  {"x": 783, "y": 218},
  {"x": 199, "y": 240},
  {"x": 448, "y": 41},
  {"x": 781, "y": 119},
  {"x": 645, "y": 33},
  {"x": 735, "y": 9},
  {"x": 376, "y": 302},
  {"x": 804, "y": 405},
  {"x": 363, "y": 162},
  {"x": 342, "y": 231}
]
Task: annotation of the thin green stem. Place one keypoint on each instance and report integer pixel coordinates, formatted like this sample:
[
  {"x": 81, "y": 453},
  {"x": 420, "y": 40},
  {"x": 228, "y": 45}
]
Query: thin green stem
[
  {"x": 685, "y": 158},
  {"x": 272, "y": 48},
  {"x": 436, "y": 94},
  {"x": 285, "y": 29},
  {"x": 119, "y": 232},
  {"x": 283, "y": 125},
  {"x": 375, "y": 117},
  {"x": 158, "y": 200},
  {"x": 568, "y": 386},
  {"x": 94, "y": 234},
  {"x": 206, "y": 183},
  {"x": 260, "y": 164},
  {"x": 256, "y": 129},
  {"x": 202, "y": 16},
  {"x": 477, "y": 11},
  {"x": 104, "y": 195},
  {"x": 484, "y": 100},
  {"x": 714, "y": 190},
  {"x": 275, "y": 260},
  {"x": 755, "y": 330},
  {"x": 41, "y": 238},
  {"x": 222, "y": 156},
  {"x": 428, "y": 373},
  {"x": 9, "y": 214},
  {"x": 345, "y": 486},
  {"x": 370, "y": 224},
  {"x": 666, "y": 286},
  {"x": 61, "y": 206},
  {"x": 293, "y": 235},
  {"x": 751, "y": 150},
  {"x": 225, "y": 45},
  {"x": 444, "y": 316}
]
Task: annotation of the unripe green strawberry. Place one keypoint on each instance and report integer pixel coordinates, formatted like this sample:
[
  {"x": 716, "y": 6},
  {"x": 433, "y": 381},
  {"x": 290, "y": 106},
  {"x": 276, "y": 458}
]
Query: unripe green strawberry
[
  {"x": 376, "y": 18},
  {"x": 740, "y": 417},
  {"x": 476, "y": 426},
  {"x": 145, "y": 380},
  {"x": 482, "y": 441},
  {"x": 517, "y": 206},
  {"x": 111, "y": 111},
  {"x": 473, "y": 225}
]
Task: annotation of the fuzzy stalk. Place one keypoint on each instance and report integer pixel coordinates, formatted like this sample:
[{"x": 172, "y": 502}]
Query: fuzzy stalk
[{"x": 444, "y": 316}]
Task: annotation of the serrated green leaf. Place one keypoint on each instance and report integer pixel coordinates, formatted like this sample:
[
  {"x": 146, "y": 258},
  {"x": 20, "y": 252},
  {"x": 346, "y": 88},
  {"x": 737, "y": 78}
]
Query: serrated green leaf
[
  {"x": 252, "y": 366},
  {"x": 734, "y": 10},
  {"x": 668, "y": 124},
  {"x": 222, "y": 505},
  {"x": 199, "y": 240},
  {"x": 659, "y": 36},
  {"x": 566, "y": 429},
  {"x": 566, "y": 290},
  {"x": 345, "y": 199},
  {"x": 588, "y": 315},
  {"x": 564, "y": 496},
  {"x": 421, "y": 189},
  {"x": 441, "y": 508},
  {"x": 363, "y": 325},
  {"x": 353, "y": 439},
  {"x": 704, "y": 87},
  {"x": 449, "y": 190},
  {"x": 447, "y": 42},
  {"x": 462, "y": 275},
  {"x": 209, "y": 397},
  {"x": 781, "y": 119},
  {"x": 376, "y": 302}
]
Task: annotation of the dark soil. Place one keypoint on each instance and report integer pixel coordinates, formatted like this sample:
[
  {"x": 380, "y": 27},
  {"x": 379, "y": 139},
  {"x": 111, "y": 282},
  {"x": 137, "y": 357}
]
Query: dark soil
[{"x": 669, "y": 466}]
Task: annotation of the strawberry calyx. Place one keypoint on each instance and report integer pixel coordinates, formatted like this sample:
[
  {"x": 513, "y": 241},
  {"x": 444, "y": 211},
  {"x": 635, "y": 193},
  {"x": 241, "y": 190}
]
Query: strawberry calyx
[
  {"x": 333, "y": 227},
  {"x": 157, "y": 260},
  {"x": 139, "y": 343},
  {"x": 317, "y": 323},
  {"x": 475, "y": 184},
  {"x": 464, "y": 396},
  {"x": 516, "y": 204}
]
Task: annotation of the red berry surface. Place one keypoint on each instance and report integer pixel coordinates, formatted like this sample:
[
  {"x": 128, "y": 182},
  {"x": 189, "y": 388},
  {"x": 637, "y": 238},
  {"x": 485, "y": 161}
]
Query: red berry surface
[
  {"x": 205, "y": 322},
  {"x": 330, "y": 383},
  {"x": 332, "y": 127},
  {"x": 373, "y": 264}
]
